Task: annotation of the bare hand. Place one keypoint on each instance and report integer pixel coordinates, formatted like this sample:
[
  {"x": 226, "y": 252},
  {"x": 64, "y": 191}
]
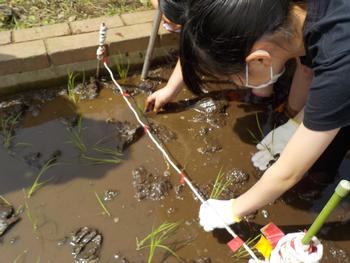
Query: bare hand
[{"x": 159, "y": 98}]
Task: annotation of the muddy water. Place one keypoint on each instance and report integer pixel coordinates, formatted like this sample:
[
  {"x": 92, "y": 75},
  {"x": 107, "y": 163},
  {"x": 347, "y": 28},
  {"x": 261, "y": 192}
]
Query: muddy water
[{"x": 67, "y": 202}]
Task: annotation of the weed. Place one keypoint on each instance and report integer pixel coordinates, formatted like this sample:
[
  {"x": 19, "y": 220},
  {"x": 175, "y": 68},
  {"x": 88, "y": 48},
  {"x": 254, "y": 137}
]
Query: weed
[
  {"x": 76, "y": 136},
  {"x": 73, "y": 97},
  {"x": 157, "y": 238},
  {"x": 103, "y": 206},
  {"x": 123, "y": 66},
  {"x": 37, "y": 184},
  {"x": 8, "y": 125},
  {"x": 242, "y": 254},
  {"x": 220, "y": 185}
]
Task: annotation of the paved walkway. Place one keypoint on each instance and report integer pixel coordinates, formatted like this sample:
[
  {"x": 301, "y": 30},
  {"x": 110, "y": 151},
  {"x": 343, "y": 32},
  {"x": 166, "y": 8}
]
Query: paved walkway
[{"x": 31, "y": 57}]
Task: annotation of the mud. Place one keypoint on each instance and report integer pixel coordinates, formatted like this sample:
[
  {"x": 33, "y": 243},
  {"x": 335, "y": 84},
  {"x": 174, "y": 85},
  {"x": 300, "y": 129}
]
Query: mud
[
  {"x": 163, "y": 133},
  {"x": 211, "y": 111},
  {"x": 110, "y": 195},
  {"x": 201, "y": 260},
  {"x": 148, "y": 186},
  {"x": 126, "y": 134},
  {"x": 67, "y": 201},
  {"x": 8, "y": 217},
  {"x": 86, "y": 243},
  {"x": 89, "y": 90}
]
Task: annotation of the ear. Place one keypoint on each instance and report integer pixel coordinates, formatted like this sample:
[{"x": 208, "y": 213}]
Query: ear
[{"x": 259, "y": 56}]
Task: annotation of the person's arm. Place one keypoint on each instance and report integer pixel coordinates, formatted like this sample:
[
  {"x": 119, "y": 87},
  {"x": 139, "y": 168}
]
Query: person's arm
[
  {"x": 301, "y": 152},
  {"x": 168, "y": 93},
  {"x": 299, "y": 88},
  {"x": 154, "y": 3}
]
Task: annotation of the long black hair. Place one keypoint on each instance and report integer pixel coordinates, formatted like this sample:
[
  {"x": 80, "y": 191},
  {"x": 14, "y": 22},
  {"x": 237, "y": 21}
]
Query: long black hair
[
  {"x": 219, "y": 35},
  {"x": 174, "y": 10}
]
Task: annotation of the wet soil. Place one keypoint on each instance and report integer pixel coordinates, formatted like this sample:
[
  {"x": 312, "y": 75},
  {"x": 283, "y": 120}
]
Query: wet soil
[
  {"x": 7, "y": 216},
  {"x": 66, "y": 202}
]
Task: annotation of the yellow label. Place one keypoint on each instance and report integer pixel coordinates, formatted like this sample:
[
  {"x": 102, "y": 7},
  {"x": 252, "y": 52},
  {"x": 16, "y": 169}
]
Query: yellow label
[{"x": 264, "y": 247}]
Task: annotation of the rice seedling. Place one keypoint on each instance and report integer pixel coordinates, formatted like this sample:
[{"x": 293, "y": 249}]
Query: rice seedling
[
  {"x": 122, "y": 66},
  {"x": 73, "y": 97},
  {"x": 37, "y": 183},
  {"x": 157, "y": 238},
  {"x": 254, "y": 137},
  {"x": 220, "y": 185},
  {"x": 75, "y": 136},
  {"x": 103, "y": 206},
  {"x": 5, "y": 200},
  {"x": 111, "y": 156},
  {"x": 242, "y": 254},
  {"x": 33, "y": 221},
  {"x": 8, "y": 125},
  {"x": 20, "y": 256}
]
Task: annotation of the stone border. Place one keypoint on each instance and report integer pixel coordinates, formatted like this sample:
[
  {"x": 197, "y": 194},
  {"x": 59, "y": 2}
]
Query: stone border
[{"x": 41, "y": 56}]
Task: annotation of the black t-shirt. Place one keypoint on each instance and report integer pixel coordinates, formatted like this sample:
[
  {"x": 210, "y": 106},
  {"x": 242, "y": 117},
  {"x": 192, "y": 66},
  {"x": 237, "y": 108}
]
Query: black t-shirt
[{"x": 327, "y": 44}]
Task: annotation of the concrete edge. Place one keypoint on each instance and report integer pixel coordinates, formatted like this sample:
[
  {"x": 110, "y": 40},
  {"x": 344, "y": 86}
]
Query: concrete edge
[{"x": 132, "y": 44}]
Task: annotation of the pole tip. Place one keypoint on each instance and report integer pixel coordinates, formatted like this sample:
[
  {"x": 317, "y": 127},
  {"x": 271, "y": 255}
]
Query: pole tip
[{"x": 343, "y": 188}]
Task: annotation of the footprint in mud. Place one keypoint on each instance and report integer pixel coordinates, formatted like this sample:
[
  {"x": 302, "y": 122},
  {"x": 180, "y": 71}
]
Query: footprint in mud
[
  {"x": 7, "y": 216},
  {"x": 148, "y": 186},
  {"x": 86, "y": 243}
]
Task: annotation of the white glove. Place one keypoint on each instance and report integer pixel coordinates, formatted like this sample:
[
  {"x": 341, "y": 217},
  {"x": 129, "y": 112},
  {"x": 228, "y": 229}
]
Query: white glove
[
  {"x": 273, "y": 144},
  {"x": 209, "y": 220}
]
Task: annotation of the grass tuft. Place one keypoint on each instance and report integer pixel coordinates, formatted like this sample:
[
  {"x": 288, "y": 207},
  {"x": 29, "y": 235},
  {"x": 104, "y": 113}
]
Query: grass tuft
[
  {"x": 220, "y": 185},
  {"x": 122, "y": 66},
  {"x": 157, "y": 238},
  {"x": 73, "y": 97}
]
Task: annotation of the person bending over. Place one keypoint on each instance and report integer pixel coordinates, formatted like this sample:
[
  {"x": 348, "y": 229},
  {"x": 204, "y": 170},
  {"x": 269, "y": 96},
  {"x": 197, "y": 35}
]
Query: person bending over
[{"x": 250, "y": 41}]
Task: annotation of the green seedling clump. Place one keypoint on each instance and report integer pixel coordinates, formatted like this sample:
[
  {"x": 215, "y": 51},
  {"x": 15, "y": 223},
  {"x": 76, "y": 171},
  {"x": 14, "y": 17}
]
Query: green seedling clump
[
  {"x": 157, "y": 238},
  {"x": 220, "y": 185}
]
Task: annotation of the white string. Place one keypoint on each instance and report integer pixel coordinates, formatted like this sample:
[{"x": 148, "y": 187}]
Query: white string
[
  {"x": 102, "y": 39},
  {"x": 177, "y": 169}
]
